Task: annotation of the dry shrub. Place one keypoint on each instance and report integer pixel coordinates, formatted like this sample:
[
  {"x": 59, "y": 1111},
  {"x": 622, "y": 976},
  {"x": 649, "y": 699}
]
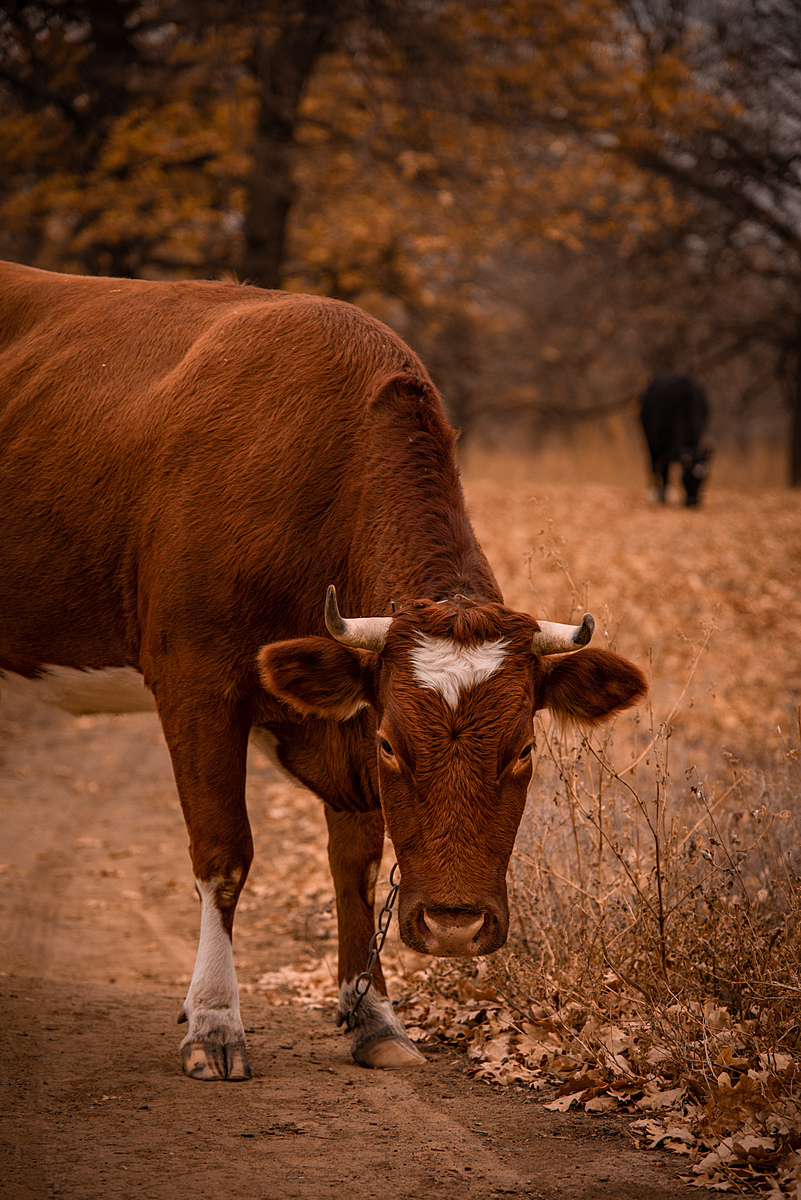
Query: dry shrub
[
  {"x": 670, "y": 889},
  {"x": 653, "y": 964}
]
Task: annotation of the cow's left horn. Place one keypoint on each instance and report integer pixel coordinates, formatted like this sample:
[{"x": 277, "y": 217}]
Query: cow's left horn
[
  {"x": 558, "y": 639},
  {"x": 368, "y": 633}
]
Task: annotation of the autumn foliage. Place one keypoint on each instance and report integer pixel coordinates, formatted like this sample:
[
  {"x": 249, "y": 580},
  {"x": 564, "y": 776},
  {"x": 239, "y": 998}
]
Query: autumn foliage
[{"x": 411, "y": 140}]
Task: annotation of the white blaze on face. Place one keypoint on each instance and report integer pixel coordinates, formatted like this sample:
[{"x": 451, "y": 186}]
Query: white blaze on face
[{"x": 450, "y": 669}]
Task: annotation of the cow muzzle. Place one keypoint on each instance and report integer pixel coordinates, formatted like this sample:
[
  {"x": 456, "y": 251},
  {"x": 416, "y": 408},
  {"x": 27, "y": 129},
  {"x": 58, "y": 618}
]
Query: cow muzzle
[{"x": 453, "y": 932}]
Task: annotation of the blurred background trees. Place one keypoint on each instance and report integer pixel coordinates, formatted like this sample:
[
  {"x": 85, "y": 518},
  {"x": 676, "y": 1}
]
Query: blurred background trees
[{"x": 549, "y": 201}]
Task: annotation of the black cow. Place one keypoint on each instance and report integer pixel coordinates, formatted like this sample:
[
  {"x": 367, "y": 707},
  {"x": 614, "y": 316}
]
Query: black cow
[{"x": 674, "y": 413}]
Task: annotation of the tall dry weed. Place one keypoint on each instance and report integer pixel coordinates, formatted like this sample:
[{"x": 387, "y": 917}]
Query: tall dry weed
[{"x": 654, "y": 963}]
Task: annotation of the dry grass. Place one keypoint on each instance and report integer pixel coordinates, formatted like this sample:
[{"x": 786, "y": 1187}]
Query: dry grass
[{"x": 654, "y": 963}]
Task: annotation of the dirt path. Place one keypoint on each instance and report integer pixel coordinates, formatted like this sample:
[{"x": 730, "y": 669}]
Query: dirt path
[{"x": 97, "y": 937}]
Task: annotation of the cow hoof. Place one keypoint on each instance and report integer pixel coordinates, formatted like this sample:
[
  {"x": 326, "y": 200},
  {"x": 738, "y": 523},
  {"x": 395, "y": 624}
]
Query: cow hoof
[
  {"x": 212, "y": 1060},
  {"x": 379, "y": 1039},
  {"x": 388, "y": 1054}
]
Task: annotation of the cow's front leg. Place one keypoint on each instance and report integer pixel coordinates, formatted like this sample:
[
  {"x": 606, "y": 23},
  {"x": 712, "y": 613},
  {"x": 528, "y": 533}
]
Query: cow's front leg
[
  {"x": 214, "y": 1047},
  {"x": 355, "y": 844},
  {"x": 208, "y": 749}
]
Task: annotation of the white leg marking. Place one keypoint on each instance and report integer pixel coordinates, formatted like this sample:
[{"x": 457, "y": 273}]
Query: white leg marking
[
  {"x": 449, "y": 668},
  {"x": 213, "y": 992},
  {"x": 214, "y": 1047}
]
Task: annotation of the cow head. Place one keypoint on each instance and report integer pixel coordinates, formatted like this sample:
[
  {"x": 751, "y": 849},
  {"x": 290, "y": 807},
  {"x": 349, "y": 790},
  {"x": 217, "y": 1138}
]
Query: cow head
[{"x": 454, "y": 687}]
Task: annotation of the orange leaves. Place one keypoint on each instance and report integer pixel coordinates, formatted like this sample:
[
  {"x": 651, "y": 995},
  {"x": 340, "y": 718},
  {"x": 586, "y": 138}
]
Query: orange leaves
[{"x": 416, "y": 162}]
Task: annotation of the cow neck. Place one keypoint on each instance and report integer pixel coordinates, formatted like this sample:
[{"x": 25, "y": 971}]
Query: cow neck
[{"x": 421, "y": 544}]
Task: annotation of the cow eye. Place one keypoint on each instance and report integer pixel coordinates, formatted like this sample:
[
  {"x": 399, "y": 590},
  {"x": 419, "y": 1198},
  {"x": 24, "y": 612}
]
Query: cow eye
[
  {"x": 526, "y": 752},
  {"x": 386, "y": 748}
]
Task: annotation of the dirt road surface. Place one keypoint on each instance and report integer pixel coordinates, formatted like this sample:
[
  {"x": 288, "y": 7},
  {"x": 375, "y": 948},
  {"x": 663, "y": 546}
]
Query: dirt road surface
[{"x": 97, "y": 936}]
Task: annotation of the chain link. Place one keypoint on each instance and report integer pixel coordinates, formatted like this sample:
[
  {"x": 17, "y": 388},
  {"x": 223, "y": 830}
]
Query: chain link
[{"x": 365, "y": 981}]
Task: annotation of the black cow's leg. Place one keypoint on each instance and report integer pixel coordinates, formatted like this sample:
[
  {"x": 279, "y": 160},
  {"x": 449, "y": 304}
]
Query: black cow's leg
[
  {"x": 661, "y": 482},
  {"x": 355, "y": 844},
  {"x": 208, "y": 747}
]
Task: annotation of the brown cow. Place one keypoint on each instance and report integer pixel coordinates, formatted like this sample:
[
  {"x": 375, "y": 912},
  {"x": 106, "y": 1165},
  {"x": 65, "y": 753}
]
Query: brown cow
[{"x": 185, "y": 468}]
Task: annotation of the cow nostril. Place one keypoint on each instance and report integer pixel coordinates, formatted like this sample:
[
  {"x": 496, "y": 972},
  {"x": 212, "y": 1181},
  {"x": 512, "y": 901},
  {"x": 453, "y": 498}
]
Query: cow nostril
[
  {"x": 461, "y": 929},
  {"x": 454, "y": 932}
]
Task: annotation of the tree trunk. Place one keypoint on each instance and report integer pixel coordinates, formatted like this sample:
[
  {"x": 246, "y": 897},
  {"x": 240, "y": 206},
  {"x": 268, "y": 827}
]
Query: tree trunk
[{"x": 282, "y": 69}]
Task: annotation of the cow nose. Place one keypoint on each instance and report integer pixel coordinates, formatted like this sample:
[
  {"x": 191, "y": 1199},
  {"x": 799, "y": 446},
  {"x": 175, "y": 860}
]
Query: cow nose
[
  {"x": 452, "y": 933},
  {"x": 458, "y": 931}
]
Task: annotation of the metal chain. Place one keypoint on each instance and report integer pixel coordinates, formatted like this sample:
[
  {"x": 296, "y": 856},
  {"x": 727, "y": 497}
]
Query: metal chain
[{"x": 365, "y": 981}]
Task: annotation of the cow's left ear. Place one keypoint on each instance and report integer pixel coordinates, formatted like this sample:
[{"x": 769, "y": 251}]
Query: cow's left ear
[
  {"x": 589, "y": 686},
  {"x": 318, "y": 677}
]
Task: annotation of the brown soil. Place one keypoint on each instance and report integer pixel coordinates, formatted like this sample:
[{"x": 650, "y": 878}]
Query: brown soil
[{"x": 97, "y": 934}]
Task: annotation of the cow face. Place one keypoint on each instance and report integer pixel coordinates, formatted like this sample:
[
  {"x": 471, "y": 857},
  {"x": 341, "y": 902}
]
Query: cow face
[
  {"x": 455, "y": 699},
  {"x": 454, "y": 688}
]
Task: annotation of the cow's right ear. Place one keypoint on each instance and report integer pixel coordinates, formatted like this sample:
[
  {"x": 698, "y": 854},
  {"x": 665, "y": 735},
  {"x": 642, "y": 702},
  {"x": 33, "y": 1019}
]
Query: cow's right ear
[{"x": 318, "y": 677}]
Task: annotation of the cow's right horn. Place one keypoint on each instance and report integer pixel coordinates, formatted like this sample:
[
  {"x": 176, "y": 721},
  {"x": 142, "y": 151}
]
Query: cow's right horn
[
  {"x": 368, "y": 633},
  {"x": 553, "y": 638}
]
